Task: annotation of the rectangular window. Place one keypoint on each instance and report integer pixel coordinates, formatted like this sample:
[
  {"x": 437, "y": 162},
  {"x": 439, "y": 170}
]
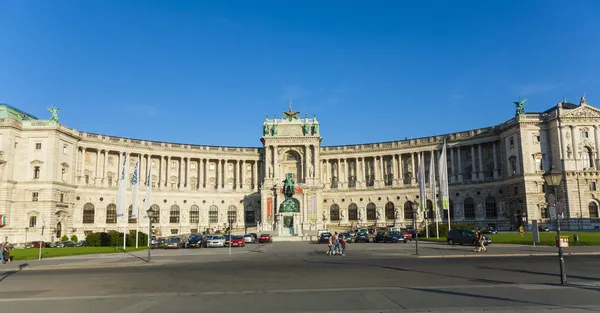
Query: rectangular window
[
  {"x": 538, "y": 138},
  {"x": 511, "y": 142},
  {"x": 538, "y": 164},
  {"x": 87, "y": 232},
  {"x": 585, "y": 134},
  {"x": 193, "y": 166},
  {"x": 64, "y": 149},
  {"x": 36, "y": 172},
  {"x": 193, "y": 231},
  {"x": 515, "y": 189},
  {"x": 62, "y": 197},
  {"x": 173, "y": 231},
  {"x": 194, "y": 217},
  {"x": 213, "y": 217},
  {"x": 34, "y": 196},
  {"x": 32, "y": 221},
  {"x": 593, "y": 186},
  {"x": 110, "y": 181},
  {"x": 38, "y": 146},
  {"x": 87, "y": 179}
]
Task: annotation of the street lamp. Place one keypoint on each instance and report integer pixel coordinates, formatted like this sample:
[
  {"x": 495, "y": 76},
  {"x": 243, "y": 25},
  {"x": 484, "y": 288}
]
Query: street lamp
[
  {"x": 150, "y": 213},
  {"x": 415, "y": 207},
  {"x": 553, "y": 179},
  {"x": 230, "y": 220}
]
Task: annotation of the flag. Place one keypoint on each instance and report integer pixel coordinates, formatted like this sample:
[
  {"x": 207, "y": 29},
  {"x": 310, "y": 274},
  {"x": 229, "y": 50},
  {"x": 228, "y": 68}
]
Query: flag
[
  {"x": 432, "y": 183},
  {"x": 421, "y": 181},
  {"x": 443, "y": 174},
  {"x": 147, "y": 198},
  {"x": 122, "y": 191},
  {"x": 135, "y": 187}
]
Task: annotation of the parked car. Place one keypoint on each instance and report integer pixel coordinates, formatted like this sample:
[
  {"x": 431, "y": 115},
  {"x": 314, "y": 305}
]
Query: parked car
[
  {"x": 265, "y": 238},
  {"x": 363, "y": 237},
  {"x": 347, "y": 237},
  {"x": 324, "y": 237},
  {"x": 379, "y": 236},
  {"x": 35, "y": 244},
  {"x": 248, "y": 238},
  {"x": 65, "y": 244},
  {"x": 80, "y": 243},
  {"x": 465, "y": 236},
  {"x": 194, "y": 241},
  {"x": 174, "y": 243},
  {"x": 238, "y": 241},
  {"x": 543, "y": 228},
  {"x": 394, "y": 236},
  {"x": 215, "y": 241},
  {"x": 491, "y": 231}
]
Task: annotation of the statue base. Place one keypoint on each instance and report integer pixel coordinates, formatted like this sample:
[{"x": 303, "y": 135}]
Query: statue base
[
  {"x": 288, "y": 224},
  {"x": 288, "y": 206}
]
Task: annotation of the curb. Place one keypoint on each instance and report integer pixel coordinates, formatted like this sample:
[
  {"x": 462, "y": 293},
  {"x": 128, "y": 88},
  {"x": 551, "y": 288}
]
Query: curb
[
  {"x": 505, "y": 255},
  {"x": 55, "y": 268}
]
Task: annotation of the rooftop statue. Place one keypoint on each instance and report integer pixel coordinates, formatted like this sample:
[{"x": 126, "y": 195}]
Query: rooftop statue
[
  {"x": 291, "y": 115},
  {"x": 274, "y": 128},
  {"x": 266, "y": 130},
  {"x": 54, "y": 110},
  {"x": 315, "y": 129},
  {"x": 519, "y": 106},
  {"x": 582, "y": 100}
]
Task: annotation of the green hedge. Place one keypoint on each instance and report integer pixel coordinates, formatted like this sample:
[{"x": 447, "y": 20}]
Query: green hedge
[
  {"x": 114, "y": 238},
  {"x": 443, "y": 228}
]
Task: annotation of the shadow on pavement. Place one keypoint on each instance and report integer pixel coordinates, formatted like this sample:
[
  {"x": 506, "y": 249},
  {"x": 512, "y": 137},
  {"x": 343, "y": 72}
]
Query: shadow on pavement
[
  {"x": 479, "y": 280},
  {"x": 515, "y": 270},
  {"x": 5, "y": 275},
  {"x": 135, "y": 256}
]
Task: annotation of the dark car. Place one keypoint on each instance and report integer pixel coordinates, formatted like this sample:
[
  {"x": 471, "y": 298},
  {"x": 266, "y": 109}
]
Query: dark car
[
  {"x": 65, "y": 244},
  {"x": 394, "y": 236},
  {"x": 465, "y": 237},
  {"x": 195, "y": 241},
  {"x": 362, "y": 237},
  {"x": 347, "y": 237},
  {"x": 379, "y": 237},
  {"x": 491, "y": 231},
  {"x": 174, "y": 243},
  {"x": 543, "y": 228},
  {"x": 324, "y": 238}
]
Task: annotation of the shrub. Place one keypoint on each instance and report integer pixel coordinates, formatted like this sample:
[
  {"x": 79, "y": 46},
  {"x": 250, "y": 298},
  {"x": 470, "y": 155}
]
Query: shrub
[
  {"x": 443, "y": 228},
  {"x": 93, "y": 240},
  {"x": 64, "y": 238},
  {"x": 74, "y": 238}
]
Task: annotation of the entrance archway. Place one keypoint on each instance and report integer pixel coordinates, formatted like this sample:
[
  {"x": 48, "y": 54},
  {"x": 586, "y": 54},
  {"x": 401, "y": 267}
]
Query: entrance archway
[{"x": 292, "y": 163}]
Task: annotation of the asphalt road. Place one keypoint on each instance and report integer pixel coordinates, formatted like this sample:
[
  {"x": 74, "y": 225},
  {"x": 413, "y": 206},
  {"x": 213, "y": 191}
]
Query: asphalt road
[{"x": 280, "y": 278}]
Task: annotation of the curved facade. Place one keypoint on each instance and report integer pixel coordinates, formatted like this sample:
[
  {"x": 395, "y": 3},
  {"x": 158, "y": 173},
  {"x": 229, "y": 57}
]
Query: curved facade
[{"x": 65, "y": 179}]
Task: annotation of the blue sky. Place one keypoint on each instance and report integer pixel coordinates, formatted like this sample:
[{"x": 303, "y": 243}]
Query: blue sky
[{"x": 207, "y": 72}]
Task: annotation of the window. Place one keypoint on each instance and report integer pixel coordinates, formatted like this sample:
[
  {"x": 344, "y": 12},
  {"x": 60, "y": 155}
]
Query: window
[
  {"x": 111, "y": 214},
  {"x": 38, "y": 146},
  {"x": 371, "y": 211},
  {"x": 62, "y": 197},
  {"x": 538, "y": 164},
  {"x": 408, "y": 211},
  {"x": 593, "y": 207},
  {"x": 173, "y": 231},
  {"x": 130, "y": 218},
  {"x": 515, "y": 189},
  {"x": 230, "y": 167},
  {"x": 34, "y": 196},
  {"x": 32, "y": 221},
  {"x": 450, "y": 210},
  {"x": 513, "y": 165},
  {"x": 469, "y": 208},
  {"x": 587, "y": 158},
  {"x": 389, "y": 211},
  {"x": 511, "y": 142},
  {"x": 173, "y": 165},
  {"x": 585, "y": 134},
  {"x": 174, "y": 214},
  {"x": 232, "y": 214},
  {"x": 156, "y": 217},
  {"x": 537, "y": 138},
  {"x": 63, "y": 173},
  {"x": 64, "y": 149},
  {"x": 193, "y": 166},
  {"x": 353, "y": 212},
  {"x": 194, "y": 214},
  {"x": 87, "y": 179},
  {"x": 543, "y": 211},
  {"x": 194, "y": 231},
  {"x": 88, "y": 213},
  {"x": 110, "y": 179},
  {"x": 36, "y": 172},
  {"x": 87, "y": 232},
  {"x": 593, "y": 186},
  {"x": 490, "y": 208},
  {"x": 334, "y": 212},
  {"x": 213, "y": 214},
  {"x": 211, "y": 166}
]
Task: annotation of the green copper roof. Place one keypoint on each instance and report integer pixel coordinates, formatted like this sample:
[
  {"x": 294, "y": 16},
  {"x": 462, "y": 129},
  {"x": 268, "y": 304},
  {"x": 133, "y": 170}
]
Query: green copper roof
[{"x": 7, "y": 111}]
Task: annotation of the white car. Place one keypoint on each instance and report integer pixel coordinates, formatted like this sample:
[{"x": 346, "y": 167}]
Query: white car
[{"x": 215, "y": 241}]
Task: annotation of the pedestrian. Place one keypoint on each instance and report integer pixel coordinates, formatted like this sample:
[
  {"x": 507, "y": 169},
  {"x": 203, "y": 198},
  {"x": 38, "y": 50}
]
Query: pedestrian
[
  {"x": 481, "y": 242},
  {"x": 330, "y": 246},
  {"x": 336, "y": 245},
  {"x": 2, "y": 253},
  {"x": 343, "y": 243},
  {"x": 477, "y": 238},
  {"x": 521, "y": 230},
  {"x": 6, "y": 252}
]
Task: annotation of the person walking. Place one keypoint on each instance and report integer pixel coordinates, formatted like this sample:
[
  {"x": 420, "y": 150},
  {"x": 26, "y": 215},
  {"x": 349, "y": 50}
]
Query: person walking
[
  {"x": 6, "y": 252},
  {"x": 481, "y": 242},
  {"x": 2, "y": 253},
  {"x": 330, "y": 246},
  {"x": 336, "y": 244},
  {"x": 477, "y": 238},
  {"x": 343, "y": 243}
]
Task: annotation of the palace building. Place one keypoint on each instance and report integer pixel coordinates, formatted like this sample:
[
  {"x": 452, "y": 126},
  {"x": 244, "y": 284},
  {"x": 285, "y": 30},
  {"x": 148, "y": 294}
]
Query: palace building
[{"x": 65, "y": 180}]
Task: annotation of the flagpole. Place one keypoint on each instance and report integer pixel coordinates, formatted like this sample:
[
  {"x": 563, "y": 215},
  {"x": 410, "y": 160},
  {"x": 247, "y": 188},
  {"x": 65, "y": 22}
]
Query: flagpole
[{"x": 137, "y": 227}]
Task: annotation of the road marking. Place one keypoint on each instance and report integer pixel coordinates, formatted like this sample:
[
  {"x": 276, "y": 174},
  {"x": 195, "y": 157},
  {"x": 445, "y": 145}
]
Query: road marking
[{"x": 140, "y": 306}]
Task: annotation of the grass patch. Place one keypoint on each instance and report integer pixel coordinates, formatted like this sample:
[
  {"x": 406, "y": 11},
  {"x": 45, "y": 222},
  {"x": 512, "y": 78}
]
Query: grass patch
[
  {"x": 33, "y": 253},
  {"x": 546, "y": 238}
]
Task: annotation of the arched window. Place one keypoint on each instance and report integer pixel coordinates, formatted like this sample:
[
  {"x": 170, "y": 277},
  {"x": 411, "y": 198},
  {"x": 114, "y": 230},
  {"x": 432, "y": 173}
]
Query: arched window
[
  {"x": 111, "y": 214},
  {"x": 334, "y": 212},
  {"x": 593, "y": 207},
  {"x": 371, "y": 211},
  {"x": 194, "y": 214},
  {"x": 353, "y": 212},
  {"x": 389, "y": 211},
  {"x": 232, "y": 213},
  {"x": 469, "y": 208},
  {"x": 32, "y": 221},
  {"x": 156, "y": 216},
  {"x": 88, "y": 213},
  {"x": 408, "y": 211},
  {"x": 130, "y": 215},
  {"x": 174, "y": 214},
  {"x": 430, "y": 212},
  {"x": 587, "y": 158},
  {"x": 490, "y": 208},
  {"x": 213, "y": 214}
]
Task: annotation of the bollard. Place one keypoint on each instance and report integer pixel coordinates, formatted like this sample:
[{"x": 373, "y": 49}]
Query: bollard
[
  {"x": 116, "y": 248},
  {"x": 575, "y": 237}
]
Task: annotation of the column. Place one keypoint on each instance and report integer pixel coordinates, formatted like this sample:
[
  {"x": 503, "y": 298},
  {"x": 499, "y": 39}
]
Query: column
[
  {"x": 306, "y": 163},
  {"x": 217, "y": 174},
  {"x": 481, "y": 171},
  {"x": 432, "y": 159},
  {"x": 345, "y": 171},
  {"x": 97, "y": 168},
  {"x": 473, "y": 168},
  {"x": 255, "y": 175},
  {"x": 339, "y": 171},
  {"x": 119, "y": 167},
  {"x": 82, "y": 170},
  {"x": 452, "y": 172},
  {"x": 180, "y": 177},
  {"x": 394, "y": 171},
  {"x": 165, "y": 172},
  {"x": 495, "y": 160},
  {"x": 382, "y": 171},
  {"x": 401, "y": 170},
  {"x": 317, "y": 161},
  {"x": 267, "y": 162},
  {"x": 104, "y": 169},
  {"x": 573, "y": 141},
  {"x": 275, "y": 164},
  {"x": 460, "y": 168},
  {"x": 597, "y": 140},
  {"x": 201, "y": 172},
  {"x": 241, "y": 173},
  {"x": 413, "y": 179},
  {"x": 187, "y": 173}
]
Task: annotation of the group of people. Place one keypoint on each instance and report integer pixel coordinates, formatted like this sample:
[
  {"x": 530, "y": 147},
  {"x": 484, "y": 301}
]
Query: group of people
[
  {"x": 480, "y": 241},
  {"x": 5, "y": 252},
  {"x": 337, "y": 245}
]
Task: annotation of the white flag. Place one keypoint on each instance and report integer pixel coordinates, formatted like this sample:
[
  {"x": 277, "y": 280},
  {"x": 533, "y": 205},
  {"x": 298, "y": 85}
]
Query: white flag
[
  {"x": 148, "y": 197},
  {"x": 421, "y": 181},
  {"x": 443, "y": 173},
  {"x": 122, "y": 191},
  {"x": 432, "y": 184},
  {"x": 135, "y": 186}
]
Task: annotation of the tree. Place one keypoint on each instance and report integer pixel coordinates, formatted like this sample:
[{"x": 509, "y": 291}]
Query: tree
[
  {"x": 64, "y": 238},
  {"x": 74, "y": 238}
]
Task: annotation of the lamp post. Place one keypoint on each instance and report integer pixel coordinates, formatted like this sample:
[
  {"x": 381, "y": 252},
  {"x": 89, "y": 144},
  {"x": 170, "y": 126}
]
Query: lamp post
[
  {"x": 395, "y": 216},
  {"x": 150, "y": 213},
  {"x": 553, "y": 179},
  {"x": 415, "y": 207},
  {"x": 26, "y": 230},
  {"x": 230, "y": 220}
]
